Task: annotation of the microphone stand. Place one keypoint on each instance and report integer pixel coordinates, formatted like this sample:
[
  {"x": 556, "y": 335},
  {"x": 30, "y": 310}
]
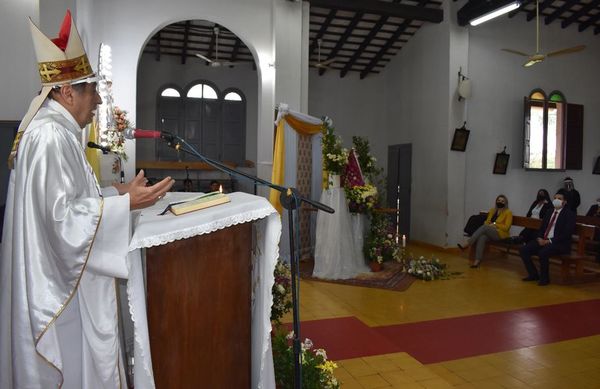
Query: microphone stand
[{"x": 290, "y": 199}]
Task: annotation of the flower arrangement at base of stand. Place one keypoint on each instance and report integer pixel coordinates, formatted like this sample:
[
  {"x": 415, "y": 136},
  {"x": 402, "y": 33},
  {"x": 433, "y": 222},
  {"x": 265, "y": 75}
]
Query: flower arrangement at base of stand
[
  {"x": 380, "y": 244},
  {"x": 361, "y": 199},
  {"x": 334, "y": 155},
  {"x": 282, "y": 292},
  {"x": 317, "y": 371},
  {"x": 427, "y": 269}
]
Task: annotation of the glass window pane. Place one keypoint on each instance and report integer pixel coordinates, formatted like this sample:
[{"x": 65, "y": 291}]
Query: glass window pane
[
  {"x": 233, "y": 96},
  {"x": 209, "y": 93},
  {"x": 537, "y": 96},
  {"x": 170, "y": 92},
  {"x": 555, "y": 136},
  {"x": 536, "y": 137},
  {"x": 195, "y": 92},
  {"x": 556, "y": 97}
]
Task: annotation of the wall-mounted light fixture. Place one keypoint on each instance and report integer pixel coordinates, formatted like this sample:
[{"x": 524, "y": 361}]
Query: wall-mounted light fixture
[{"x": 476, "y": 12}]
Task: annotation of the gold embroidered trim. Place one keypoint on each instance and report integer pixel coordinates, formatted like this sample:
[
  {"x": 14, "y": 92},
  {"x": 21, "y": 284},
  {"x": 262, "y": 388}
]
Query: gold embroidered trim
[
  {"x": 66, "y": 70},
  {"x": 68, "y": 300}
]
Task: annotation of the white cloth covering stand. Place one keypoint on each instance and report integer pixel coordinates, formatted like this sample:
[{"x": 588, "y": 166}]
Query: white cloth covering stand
[
  {"x": 153, "y": 230},
  {"x": 338, "y": 254}
]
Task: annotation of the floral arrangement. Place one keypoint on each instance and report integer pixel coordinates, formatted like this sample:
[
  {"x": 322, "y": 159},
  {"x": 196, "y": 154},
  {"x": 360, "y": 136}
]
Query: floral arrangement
[
  {"x": 282, "y": 292},
  {"x": 317, "y": 370},
  {"x": 115, "y": 138},
  {"x": 427, "y": 269},
  {"x": 365, "y": 159},
  {"x": 334, "y": 155},
  {"x": 380, "y": 244},
  {"x": 361, "y": 199}
]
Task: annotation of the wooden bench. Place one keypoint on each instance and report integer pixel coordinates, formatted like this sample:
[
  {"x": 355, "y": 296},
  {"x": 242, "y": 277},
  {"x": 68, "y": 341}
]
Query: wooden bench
[{"x": 583, "y": 235}]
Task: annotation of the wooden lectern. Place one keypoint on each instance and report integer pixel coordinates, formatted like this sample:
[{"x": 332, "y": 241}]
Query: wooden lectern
[{"x": 199, "y": 310}]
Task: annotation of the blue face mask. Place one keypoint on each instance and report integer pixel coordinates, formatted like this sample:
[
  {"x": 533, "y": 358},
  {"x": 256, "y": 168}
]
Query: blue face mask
[{"x": 557, "y": 203}]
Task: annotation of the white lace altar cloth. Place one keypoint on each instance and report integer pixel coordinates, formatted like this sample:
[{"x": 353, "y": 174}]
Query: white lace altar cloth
[
  {"x": 153, "y": 230},
  {"x": 337, "y": 255}
]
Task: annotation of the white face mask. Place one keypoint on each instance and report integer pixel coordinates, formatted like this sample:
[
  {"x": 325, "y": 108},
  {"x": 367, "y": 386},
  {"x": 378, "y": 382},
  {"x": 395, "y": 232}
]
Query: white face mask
[{"x": 557, "y": 203}]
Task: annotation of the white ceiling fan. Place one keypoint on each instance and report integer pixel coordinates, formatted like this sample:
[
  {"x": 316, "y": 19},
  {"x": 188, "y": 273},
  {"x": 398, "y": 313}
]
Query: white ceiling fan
[
  {"x": 324, "y": 64},
  {"x": 532, "y": 59},
  {"x": 215, "y": 62}
]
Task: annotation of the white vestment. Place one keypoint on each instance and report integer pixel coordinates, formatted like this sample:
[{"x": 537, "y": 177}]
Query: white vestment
[{"x": 62, "y": 247}]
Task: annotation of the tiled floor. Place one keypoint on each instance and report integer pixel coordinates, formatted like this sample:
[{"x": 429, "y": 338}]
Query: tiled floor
[{"x": 555, "y": 346}]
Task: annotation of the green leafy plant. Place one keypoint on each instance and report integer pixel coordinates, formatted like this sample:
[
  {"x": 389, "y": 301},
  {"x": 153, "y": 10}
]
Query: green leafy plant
[
  {"x": 427, "y": 269},
  {"x": 282, "y": 292},
  {"x": 361, "y": 199},
  {"x": 317, "y": 371},
  {"x": 380, "y": 244},
  {"x": 334, "y": 155}
]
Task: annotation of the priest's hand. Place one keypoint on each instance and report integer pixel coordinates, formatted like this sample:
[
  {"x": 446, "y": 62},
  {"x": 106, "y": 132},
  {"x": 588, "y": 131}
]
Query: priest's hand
[{"x": 142, "y": 196}]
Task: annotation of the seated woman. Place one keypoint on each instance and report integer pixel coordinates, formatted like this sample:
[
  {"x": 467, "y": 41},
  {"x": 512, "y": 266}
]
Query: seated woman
[
  {"x": 496, "y": 227},
  {"x": 539, "y": 208}
]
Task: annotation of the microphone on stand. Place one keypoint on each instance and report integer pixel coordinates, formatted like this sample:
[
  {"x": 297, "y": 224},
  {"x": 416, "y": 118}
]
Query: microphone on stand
[
  {"x": 105, "y": 149},
  {"x": 136, "y": 133}
]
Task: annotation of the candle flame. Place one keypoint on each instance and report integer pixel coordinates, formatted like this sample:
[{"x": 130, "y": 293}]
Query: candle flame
[{"x": 220, "y": 188}]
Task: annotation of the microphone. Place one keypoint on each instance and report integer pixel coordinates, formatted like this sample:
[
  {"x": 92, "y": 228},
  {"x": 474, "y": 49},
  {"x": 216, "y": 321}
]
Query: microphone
[
  {"x": 105, "y": 149},
  {"x": 131, "y": 133}
]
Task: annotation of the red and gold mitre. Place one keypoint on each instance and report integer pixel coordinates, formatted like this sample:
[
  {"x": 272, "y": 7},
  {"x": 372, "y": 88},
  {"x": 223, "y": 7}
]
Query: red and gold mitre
[{"x": 61, "y": 60}]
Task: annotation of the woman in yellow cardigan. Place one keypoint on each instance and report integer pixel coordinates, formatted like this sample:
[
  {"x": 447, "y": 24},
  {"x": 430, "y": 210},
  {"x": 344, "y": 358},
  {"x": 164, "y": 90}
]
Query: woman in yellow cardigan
[{"x": 496, "y": 227}]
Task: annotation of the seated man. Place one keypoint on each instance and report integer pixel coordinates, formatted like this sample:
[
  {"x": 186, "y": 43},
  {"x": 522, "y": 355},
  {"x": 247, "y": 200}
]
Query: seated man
[
  {"x": 553, "y": 238},
  {"x": 594, "y": 211}
]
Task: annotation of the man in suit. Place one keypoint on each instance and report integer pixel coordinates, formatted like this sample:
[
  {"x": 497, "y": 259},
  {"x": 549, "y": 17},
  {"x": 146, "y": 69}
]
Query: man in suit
[{"x": 554, "y": 238}]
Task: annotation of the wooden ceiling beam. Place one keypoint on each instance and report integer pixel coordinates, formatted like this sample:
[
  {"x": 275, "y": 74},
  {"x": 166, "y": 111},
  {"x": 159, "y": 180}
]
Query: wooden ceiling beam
[
  {"x": 591, "y": 21},
  {"x": 344, "y": 37},
  {"x": 186, "y": 31},
  {"x": 321, "y": 32},
  {"x": 157, "y": 54},
  {"x": 383, "y": 50},
  {"x": 511, "y": 14},
  {"x": 236, "y": 49},
  {"x": 559, "y": 11},
  {"x": 211, "y": 45},
  {"x": 363, "y": 45},
  {"x": 576, "y": 15},
  {"x": 543, "y": 6},
  {"x": 383, "y": 8}
]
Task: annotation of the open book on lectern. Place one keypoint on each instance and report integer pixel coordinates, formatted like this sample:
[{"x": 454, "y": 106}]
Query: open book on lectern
[{"x": 205, "y": 201}]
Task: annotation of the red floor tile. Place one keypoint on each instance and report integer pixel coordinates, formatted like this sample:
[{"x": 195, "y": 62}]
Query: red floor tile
[{"x": 460, "y": 337}]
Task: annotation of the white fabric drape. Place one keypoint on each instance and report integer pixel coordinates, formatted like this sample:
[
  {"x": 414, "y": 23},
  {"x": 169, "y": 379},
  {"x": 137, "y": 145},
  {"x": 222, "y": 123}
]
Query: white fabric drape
[
  {"x": 153, "y": 230},
  {"x": 337, "y": 255}
]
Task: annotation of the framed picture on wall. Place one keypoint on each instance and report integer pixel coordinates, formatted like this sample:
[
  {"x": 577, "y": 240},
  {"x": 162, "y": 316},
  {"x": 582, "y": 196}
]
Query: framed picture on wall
[
  {"x": 501, "y": 163},
  {"x": 596, "y": 166},
  {"x": 460, "y": 139}
]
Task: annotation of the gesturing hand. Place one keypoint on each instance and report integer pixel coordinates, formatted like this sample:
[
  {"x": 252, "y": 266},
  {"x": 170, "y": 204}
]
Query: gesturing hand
[{"x": 142, "y": 196}]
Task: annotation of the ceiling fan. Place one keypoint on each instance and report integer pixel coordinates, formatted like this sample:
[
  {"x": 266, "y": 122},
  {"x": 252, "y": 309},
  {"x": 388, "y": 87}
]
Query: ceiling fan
[
  {"x": 324, "y": 64},
  {"x": 215, "y": 62},
  {"x": 532, "y": 59}
]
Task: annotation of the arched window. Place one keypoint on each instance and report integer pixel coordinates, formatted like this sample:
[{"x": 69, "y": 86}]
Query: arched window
[
  {"x": 549, "y": 144},
  {"x": 211, "y": 121},
  {"x": 170, "y": 92}
]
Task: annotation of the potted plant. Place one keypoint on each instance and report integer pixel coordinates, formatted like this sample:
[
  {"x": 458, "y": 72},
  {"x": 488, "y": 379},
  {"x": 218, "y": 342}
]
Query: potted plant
[{"x": 380, "y": 244}]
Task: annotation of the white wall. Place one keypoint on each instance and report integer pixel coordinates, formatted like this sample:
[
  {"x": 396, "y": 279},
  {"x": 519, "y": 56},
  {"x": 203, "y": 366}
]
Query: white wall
[
  {"x": 153, "y": 75},
  {"x": 417, "y": 112},
  {"x": 495, "y": 111},
  {"x": 355, "y": 105},
  {"x": 19, "y": 81}
]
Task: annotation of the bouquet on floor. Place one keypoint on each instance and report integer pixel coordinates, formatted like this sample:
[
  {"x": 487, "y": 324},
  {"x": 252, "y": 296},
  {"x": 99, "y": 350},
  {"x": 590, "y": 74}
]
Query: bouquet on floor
[
  {"x": 317, "y": 370},
  {"x": 380, "y": 244},
  {"x": 334, "y": 155},
  {"x": 427, "y": 269},
  {"x": 282, "y": 292}
]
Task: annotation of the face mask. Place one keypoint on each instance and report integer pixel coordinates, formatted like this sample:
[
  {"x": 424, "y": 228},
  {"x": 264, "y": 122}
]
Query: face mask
[
  {"x": 500, "y": 205},
  {"x": 557, "y": 203}
]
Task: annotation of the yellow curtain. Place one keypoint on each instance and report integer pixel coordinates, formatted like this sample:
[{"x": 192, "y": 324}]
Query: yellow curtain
[
  {"x": 92, "y": 155},
  {"x": 278, "y": 174}
]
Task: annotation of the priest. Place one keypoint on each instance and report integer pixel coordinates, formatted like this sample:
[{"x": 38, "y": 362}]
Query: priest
[{"x": 65, "y": 239}]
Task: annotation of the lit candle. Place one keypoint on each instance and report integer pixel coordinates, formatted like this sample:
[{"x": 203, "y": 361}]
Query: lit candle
[
  {"x": 403, "y": 241},
  {"x": 220, "y": 188}
]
